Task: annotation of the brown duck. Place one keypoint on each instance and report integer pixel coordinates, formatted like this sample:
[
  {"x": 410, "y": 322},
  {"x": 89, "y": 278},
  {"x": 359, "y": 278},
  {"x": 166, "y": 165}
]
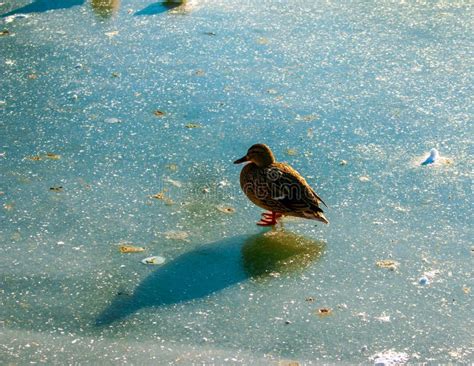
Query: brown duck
[{"x": 277, "y": 187}]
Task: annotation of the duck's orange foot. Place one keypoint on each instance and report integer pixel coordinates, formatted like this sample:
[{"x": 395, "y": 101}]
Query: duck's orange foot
[{"x": 269, "y": 219}]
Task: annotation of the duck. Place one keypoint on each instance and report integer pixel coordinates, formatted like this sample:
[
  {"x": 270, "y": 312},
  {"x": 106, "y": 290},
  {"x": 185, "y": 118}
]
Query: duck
[{"x": 277, "y": 188}]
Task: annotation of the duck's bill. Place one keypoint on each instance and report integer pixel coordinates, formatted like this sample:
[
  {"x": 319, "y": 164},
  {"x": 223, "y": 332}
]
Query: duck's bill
[{"x": 242, "y": 160}]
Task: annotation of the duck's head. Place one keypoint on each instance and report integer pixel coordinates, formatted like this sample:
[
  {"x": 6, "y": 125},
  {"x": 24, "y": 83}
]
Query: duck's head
[{"x": 260, "y": 154}]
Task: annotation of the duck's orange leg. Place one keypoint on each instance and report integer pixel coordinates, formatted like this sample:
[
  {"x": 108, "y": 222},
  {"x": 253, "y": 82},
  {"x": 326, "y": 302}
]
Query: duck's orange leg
[{"x": 269, "y": 218}]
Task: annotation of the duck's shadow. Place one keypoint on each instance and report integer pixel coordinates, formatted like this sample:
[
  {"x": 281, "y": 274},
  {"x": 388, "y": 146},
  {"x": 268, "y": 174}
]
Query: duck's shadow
[
  {"x": 157, "y": 8},
  {"x": 40, "y": 6},
  {"x": 215, "y": 266}
]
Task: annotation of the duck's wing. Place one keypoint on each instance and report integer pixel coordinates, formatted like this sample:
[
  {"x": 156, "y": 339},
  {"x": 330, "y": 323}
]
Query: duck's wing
[
  {"x": 291, "y": 190},
  {"x": 317, "y": 197}
]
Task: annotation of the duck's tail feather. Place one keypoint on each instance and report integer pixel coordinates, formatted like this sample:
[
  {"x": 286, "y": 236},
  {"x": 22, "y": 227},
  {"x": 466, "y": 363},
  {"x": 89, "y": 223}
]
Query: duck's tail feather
[{"x": 318, "y": 216}]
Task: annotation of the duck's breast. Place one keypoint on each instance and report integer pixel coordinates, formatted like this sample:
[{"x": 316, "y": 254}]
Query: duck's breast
[
  {"x": 248, "y": 178},
  {"x": 254, "y": 185}
]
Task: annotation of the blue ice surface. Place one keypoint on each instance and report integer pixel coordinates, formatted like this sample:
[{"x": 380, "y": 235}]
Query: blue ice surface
[{"x": 374, "y": 84}]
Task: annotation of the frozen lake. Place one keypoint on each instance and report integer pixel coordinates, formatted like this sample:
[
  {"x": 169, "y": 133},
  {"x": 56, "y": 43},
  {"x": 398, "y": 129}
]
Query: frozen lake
[{"x": 119, "y": 123}]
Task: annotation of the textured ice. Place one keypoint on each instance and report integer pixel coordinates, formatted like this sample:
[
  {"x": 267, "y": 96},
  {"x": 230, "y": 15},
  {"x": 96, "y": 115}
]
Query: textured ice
[
  {"x": 374, "y": 84},
  {"x": 390, "y": 358}
]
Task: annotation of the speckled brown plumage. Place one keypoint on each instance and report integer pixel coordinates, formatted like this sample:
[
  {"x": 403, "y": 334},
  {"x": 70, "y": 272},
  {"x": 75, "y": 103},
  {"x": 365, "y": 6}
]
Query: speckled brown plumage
[{"x": 277, "y": 187}]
